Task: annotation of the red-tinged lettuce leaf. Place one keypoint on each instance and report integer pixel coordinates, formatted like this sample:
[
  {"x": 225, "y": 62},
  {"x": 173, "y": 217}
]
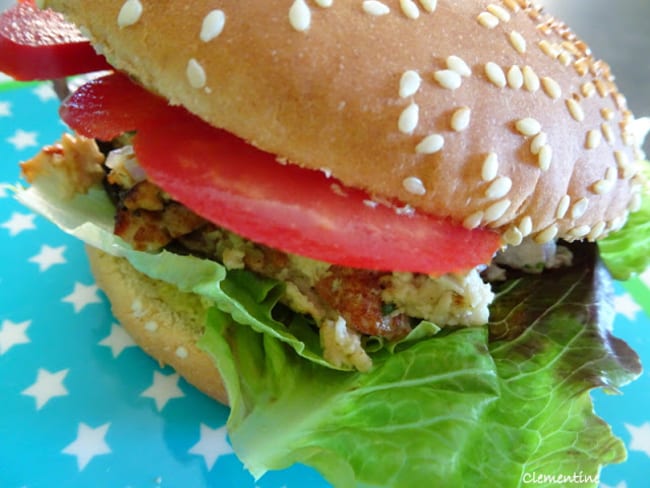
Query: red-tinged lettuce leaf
[{"x": 457, "y": 409}]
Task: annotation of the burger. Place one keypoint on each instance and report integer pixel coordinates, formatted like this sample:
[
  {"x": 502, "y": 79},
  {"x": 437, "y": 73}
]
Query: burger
[{"x": 383, "y": 232}]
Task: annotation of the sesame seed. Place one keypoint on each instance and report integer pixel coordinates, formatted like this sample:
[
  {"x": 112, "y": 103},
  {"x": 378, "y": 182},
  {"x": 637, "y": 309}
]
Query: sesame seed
[
  {"x": 575, "y": 109},
  {"x": 617, "y": 222},
  {"x": 547, "y": 235},
  {"x": 496, "y": 210},
  {"x": 512, "y": 5},
  {"x": 518, "y": 42},
  {"x": 549, "y": 49},
  {"x": 458, "y": 65},
  {"x": 551, "y": 87},
  {"x": 515, "y": 77},
  {"x": 409, "y": 84},
  {"x": 181, "y": 352},
  {"x": 409, "y": 118},
  {"x": 608, "y": 133},
  {"x": 610, "y": 174},
  {"x": 195, "y": 74},
  {"x": 563, "y": 207},
  {"x": 538, "y": 142},
  {"x": 526, "y": 226},
  {"x": 430, "y": 144},
  {"x": 373, "y": 7},
  {"x": 488, "y": 20},
  {"x": 490, "y": 167},
  {"x": 461, "y": 118},
  {"x": 588, "y": 89},
  {"x": 545, "y": 157},
  {"x": 324, "y": 3},
  {"x": 601, "y": 88},
  {"x": 622, "y": 159},
  {"x": 151, "y": 326},
  {"x": 495, "y": 74},
  {"x": 579, "y": 208},
  {"x": 513, "y": 236},
  {"x": 414, "y": 185},
  {"x": 602, "y": 187},
  {"x": 531, "y": 80},
  {"x": 581, "y": 66},
  {"x": 528, "y": 127},
  {"x": 499, "y": 12},
  {"x": 594, "y": 138},
  {"x": 580, "y": 231},
  {"x": 213, "y": 25},
  {"x": 597, "y": 231},
  {"x": 429, "y": 5},
  {"x": 607, "y": 113},
  {"x": 300, "y": 16},
  {"x": 409, "y": 8},
  {"x": 473, "y": 221},
  {"x": 448, "y": 79},
  {"x": 565, "y": 58},
  {"x": 499, "y": 188},
  {"x": 130, "y": 13}
]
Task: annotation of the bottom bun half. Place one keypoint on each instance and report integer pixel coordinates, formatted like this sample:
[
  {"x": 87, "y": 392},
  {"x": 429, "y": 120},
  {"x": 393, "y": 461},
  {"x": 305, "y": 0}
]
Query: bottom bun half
[{"x": 165, "y": 322}]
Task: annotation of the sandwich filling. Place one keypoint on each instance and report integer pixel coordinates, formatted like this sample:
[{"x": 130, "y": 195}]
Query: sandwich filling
[{"x": 349, "y": 306}]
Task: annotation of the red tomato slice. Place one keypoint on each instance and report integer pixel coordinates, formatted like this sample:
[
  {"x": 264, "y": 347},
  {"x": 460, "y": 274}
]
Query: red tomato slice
[
  {"x": 246, "y": 190},
  {"x": 40, "y": 45}
]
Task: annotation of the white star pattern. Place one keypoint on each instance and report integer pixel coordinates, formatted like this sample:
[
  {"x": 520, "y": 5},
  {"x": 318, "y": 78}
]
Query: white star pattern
[
  {"x": 18, "y": 223},
  {"x": 163, "y": 389},
  {"x": 625, "y": 305},
  {"x": 45, "y": 92},
  {"x": 48, "y": 257},
  {"x": 82, "y": 295},
  {"x": 213, "y": 444},
  {"x": 640, "y": 440},
  {"x": 118, "y": 340},
  {"x": 88, "y": 444},
  {"x": 3, "y": 190},
  {"x": 13, "y": 334},
  {"x": 5, "y": 109},
  {"x": 22, "y": 140},
  {"x": 47, "y": 386}
]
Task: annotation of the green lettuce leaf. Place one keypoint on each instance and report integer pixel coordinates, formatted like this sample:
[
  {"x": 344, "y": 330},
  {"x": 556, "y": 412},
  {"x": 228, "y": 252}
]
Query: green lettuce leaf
[
  {"x": 627, "y": 251},
  {"x": 493, "y": 404},
  {"x": 248, "y": 298},
  {"x": 444, "y": 408}
]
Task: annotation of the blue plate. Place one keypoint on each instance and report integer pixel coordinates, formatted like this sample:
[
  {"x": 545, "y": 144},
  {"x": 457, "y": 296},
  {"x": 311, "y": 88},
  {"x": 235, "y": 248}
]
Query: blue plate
[{"x": 81, "y": 406}]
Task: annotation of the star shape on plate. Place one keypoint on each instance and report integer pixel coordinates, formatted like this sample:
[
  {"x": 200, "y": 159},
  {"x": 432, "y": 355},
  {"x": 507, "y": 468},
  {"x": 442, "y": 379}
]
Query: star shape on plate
[
  {"x": 82, "y": 295},
  {"x": 5, "y": 109},
  {"x": 213, "y": 444},
  {"x": 117, "y": 340},
  {"x": 48, "y": 257},
  {"x": 47, "y": 386},
  {"x": 3, "y": 190},
  {"x": 625, "y": 305},
  {"x": 88, "y": 444},
  {"x": 23, "y": 139},
  {"x": 45, "y": 92},
  {"x": 18, "y": 223},
  {"x": 13, "y": 334},
  {"x": 163, "y": 389},
  {"x": 640, "y": 440}
]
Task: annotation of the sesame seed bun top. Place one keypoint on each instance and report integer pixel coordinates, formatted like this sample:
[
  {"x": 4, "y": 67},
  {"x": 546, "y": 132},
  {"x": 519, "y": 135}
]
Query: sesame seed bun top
[{"x": 491, "y": 113}]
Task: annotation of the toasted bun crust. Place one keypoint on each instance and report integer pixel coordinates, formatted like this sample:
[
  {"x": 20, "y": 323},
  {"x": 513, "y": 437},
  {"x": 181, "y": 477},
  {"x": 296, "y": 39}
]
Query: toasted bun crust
[
  {"x": 343, "y": 89},
  {"x": 164, "y": 322}
]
